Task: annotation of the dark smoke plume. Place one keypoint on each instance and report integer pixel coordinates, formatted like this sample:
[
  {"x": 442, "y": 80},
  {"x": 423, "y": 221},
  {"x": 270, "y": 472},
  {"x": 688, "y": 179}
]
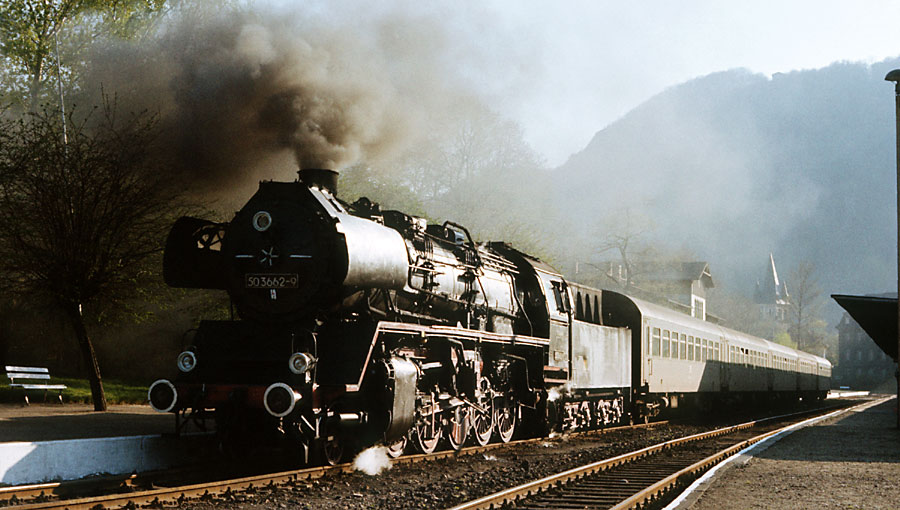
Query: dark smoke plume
[{"x": 236, "y": 93}]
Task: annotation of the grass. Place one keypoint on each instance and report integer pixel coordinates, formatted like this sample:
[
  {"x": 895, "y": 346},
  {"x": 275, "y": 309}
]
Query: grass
[{"x": 79, "y": 390}]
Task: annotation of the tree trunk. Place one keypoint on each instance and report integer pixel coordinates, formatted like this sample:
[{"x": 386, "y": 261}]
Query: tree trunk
[{"x": 89, "y": 356}]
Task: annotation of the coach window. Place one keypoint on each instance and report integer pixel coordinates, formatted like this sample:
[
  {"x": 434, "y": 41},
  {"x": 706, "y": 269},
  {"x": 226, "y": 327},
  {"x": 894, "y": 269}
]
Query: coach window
[
  {"x": 697, "y": 348},
  {"x": 655, "y": 343},
  {"x": 665, "y": 343},
  {"x": 682, "y": 347},
  {"x": 690, "y": 348}
]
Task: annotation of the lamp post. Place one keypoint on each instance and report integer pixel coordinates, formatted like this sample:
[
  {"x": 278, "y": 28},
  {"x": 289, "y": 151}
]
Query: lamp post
[{"x": 894, "y": 76}]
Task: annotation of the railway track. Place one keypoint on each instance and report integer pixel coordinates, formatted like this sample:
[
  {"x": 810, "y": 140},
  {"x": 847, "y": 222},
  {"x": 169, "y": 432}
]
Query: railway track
[
  {"x": 156, "y": 488},
  {"x": 645, "y": 477}
]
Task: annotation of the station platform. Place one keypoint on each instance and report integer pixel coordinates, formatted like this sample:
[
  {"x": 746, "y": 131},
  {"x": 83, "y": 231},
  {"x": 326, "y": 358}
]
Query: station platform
[
  {"x": 51, "y": 422},
  {"x": 849, "y": 461},
  {"x": 53, "y": 442}
]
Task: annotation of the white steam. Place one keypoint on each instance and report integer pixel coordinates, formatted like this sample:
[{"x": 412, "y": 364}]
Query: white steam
[
  {"x": 557, "y": 392},
  {"x": 372, "y": 461}
]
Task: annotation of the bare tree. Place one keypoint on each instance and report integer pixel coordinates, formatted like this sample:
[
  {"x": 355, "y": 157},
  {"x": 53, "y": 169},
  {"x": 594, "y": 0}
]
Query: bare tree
[
  {"x": 623, "y": 233},
  {"x": 805, "y": 306},
  {"x": 79, "y": 220}
]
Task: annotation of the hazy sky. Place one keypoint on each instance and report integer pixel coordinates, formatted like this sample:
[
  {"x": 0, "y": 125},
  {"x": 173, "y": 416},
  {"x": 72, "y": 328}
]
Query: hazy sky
[{"x": 565, "y": 69}]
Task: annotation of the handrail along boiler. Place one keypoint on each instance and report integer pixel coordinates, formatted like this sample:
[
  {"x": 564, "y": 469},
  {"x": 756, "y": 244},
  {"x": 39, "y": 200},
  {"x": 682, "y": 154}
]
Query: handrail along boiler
[{"x": 356, "y": 322}]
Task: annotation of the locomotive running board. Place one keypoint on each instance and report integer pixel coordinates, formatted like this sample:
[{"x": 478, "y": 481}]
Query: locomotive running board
[{"x": 444, "y": 331}]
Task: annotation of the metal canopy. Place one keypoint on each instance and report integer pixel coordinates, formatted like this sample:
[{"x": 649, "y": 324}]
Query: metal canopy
[{"x": 878, "y": 317}]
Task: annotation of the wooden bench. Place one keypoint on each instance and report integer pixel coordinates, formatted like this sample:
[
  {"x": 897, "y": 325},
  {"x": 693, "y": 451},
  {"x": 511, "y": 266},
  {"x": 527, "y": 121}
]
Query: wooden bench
[{"x": 33, "y": 374}]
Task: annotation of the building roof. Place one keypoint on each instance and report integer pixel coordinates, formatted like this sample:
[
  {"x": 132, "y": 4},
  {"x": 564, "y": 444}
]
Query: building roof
[
  {"x": 877, "y": 314},
  {"x": 770, "y": 290},
  {"x": 680, "y": 271}
]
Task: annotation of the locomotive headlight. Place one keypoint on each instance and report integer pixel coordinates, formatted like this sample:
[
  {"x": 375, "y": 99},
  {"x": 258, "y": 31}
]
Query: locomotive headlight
[
  {"x": 186, "y": 361},
  {"x": 262, "y": 221},
  {"x": 300, "y": 362}
]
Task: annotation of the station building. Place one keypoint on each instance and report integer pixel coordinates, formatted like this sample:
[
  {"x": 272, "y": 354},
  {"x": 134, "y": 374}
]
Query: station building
[{"x": 862, "y": 365}]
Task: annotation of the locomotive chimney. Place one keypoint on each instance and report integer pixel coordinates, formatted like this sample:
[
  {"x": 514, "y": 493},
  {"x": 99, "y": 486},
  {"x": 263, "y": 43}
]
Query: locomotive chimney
[{"x": 321, "y": 178}]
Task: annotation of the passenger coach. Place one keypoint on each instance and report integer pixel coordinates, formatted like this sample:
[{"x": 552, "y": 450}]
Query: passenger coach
[{"x": 679, "y": 359}]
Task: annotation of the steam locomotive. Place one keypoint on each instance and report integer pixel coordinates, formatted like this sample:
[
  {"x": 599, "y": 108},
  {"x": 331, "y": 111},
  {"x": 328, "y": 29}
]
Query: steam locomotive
[{"x": 361, "y": 326}]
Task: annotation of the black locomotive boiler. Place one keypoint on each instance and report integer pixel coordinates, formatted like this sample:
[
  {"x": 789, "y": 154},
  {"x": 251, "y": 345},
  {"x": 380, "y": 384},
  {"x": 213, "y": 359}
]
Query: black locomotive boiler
[{"x": 360, "y": 326}]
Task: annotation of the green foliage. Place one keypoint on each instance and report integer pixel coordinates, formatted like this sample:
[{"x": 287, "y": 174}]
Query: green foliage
[
  {"x": 29, "y": 30},
  {"x": 365, "y": 181},
  {"x": 79, "y": 390},
  {"x": 784, "y": 338}
]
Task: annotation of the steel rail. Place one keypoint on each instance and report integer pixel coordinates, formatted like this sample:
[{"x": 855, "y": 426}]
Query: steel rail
[
  {"x": 180, "y": 493},
  {"x": 513, "y": 494},
  {"x": 688, "y": 474}
]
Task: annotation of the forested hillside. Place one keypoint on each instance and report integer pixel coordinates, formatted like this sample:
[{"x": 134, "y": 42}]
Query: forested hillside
[{"x": 735, "y": 165}]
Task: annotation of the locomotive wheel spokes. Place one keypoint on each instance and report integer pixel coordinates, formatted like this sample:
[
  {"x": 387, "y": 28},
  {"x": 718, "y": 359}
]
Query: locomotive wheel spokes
[
  {"x": 428, "y": 434},
  {"x": 505, "y": 412},
  {"x": 333, "y": 451},
  {"x": 396, "y": 448},
  {"x": 483, "y": 425},
  {"x": 457, "y": 428},
  {"x": 482, "y": 415}
]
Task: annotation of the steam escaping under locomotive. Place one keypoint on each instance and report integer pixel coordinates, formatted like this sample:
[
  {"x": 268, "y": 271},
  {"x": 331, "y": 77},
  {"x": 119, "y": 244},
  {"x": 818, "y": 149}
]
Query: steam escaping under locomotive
[{"x": 361, "y": 326}]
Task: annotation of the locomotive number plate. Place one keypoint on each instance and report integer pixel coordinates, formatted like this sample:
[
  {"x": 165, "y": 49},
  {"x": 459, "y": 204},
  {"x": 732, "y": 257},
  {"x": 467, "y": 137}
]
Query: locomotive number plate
[{"x": 271, "y": 281}]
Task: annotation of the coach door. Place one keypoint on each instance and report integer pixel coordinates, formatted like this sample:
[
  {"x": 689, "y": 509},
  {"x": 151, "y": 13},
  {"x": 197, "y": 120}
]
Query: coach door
[{"x": 724, "y": 364}]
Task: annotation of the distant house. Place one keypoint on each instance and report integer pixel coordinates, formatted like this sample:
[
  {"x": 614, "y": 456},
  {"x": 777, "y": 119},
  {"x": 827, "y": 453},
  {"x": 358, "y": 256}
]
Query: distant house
[
  {"x": 771, "y": 296},
  {"x": 681, "y": 286},
  {"x": 684, "y": 285},
  {"x": 861, "y": 365}
]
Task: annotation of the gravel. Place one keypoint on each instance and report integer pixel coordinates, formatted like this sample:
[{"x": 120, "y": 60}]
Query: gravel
[{"x": 447, "y": 482}]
